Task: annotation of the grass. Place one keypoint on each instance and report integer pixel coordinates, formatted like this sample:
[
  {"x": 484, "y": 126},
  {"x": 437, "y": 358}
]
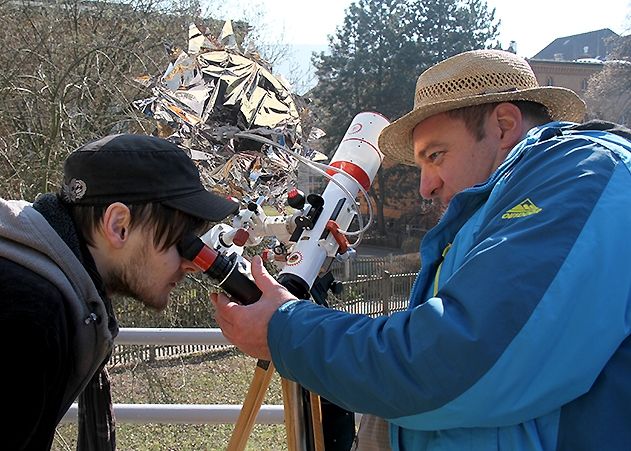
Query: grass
[{"x": 213, "y": 378}]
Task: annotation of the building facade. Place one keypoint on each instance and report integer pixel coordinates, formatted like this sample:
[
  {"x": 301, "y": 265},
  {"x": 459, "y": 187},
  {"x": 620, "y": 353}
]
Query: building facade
[{"x": 573, "y": 75}]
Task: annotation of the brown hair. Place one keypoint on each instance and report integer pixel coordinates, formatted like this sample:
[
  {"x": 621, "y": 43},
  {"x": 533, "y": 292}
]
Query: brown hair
[
  {"x": 475, "y": 116},
  {"x": 168, "y": 224}
]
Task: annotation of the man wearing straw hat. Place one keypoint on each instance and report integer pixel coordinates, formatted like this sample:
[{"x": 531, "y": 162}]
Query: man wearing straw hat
[{"x": 517, "y": 332}]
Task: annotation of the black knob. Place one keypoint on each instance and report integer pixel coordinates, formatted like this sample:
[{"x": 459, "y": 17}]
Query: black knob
[
  {"x": 315, "y": 200},
  {"x": 296, "y": 198}
]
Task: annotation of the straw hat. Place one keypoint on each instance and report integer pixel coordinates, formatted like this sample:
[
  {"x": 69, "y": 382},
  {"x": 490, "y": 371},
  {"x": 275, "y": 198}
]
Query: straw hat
[{"x": 474, "y": 78}]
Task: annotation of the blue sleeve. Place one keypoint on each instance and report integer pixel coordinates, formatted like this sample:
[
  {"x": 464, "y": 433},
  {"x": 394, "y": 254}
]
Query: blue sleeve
[{"x": 523, "y": 324}]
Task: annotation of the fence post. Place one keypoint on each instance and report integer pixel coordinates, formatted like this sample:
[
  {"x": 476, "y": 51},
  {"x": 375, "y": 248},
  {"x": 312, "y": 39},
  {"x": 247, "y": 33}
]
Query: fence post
[
  {"x": 387, "y": 292},
  {"x": 152, "y": 353}
]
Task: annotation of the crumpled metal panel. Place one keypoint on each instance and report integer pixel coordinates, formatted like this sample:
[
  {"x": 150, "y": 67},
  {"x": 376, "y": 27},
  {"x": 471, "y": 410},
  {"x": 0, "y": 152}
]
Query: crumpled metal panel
[{"x": 213, "y": 91}]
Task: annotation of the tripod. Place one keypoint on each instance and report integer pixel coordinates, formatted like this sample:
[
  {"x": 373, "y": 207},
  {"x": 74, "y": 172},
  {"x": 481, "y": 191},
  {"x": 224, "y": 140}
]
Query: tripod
[
  {"x": 304, "y": 411},
  {"x": 301, "y": 434}
]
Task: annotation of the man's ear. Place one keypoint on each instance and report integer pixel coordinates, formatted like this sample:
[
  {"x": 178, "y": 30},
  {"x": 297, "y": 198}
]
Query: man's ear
[
  {"x": 510, "y": 122},
  {"x": 115, "y": 224}
]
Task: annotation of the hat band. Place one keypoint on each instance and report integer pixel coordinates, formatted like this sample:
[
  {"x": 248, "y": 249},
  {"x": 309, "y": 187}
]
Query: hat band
[{"x": 481, "y": 84}]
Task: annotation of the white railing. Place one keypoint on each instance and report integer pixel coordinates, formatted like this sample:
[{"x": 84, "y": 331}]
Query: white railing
[{"x": 179, "y": 413}]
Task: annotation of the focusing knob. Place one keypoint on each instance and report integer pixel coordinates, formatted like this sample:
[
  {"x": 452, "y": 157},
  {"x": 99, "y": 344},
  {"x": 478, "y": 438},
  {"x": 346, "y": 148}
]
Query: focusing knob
[
  {"x": 240, "y": 237},
  {"x": 315, "y": 200},
  {"x": 296, "y": 198}
]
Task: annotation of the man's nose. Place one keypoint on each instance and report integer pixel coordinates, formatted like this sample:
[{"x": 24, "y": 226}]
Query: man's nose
[{"x": 430, "y": 182}]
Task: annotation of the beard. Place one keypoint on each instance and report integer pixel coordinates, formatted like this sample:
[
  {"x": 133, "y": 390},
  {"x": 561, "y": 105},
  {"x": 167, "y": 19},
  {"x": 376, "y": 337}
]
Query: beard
[{"x": 131, "y": 279}]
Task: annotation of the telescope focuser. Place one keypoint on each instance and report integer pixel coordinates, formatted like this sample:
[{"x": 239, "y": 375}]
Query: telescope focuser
[{"x": 230, "y": 273}]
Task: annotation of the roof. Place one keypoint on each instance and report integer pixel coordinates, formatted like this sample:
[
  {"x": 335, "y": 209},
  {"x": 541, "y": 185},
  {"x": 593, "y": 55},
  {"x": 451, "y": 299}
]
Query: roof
[{"x": 593, "y": 44}]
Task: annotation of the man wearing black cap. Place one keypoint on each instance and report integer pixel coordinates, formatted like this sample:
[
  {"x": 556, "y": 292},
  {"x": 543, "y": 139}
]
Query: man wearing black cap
[{"x": 125, "y": 202}]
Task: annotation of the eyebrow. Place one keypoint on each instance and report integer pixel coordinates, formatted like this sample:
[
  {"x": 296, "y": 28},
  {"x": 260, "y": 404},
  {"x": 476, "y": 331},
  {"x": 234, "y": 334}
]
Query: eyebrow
[{"x": 422, "y": 153}]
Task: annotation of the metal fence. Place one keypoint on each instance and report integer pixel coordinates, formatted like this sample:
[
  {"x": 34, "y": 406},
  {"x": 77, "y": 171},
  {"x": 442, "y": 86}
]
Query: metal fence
[
  {"x": 132, "y": 354},
  {"x": 372, "y": 267},
  {"x": 375, "y": 295}
]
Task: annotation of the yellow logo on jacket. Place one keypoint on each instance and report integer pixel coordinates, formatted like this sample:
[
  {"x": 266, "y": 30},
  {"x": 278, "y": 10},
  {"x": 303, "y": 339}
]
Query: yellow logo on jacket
[{"x": 524, "y": 208}]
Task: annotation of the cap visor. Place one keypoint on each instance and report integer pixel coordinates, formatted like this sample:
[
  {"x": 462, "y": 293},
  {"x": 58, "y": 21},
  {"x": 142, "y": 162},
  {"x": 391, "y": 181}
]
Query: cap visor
[{"x": 205, "y": 205}]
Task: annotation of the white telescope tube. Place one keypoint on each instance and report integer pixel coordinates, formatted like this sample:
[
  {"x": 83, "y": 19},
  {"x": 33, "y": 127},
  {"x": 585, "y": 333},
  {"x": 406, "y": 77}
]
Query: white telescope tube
[{"x": 359, "y": 156}]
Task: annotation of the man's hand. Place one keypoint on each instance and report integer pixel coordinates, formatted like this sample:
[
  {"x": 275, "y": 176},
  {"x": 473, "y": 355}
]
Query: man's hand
[{"x": 245, "y": 326}]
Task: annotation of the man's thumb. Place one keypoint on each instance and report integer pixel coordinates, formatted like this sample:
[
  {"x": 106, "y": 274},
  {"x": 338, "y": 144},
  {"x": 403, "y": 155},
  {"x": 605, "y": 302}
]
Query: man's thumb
[{"x": 260, "y": 274}]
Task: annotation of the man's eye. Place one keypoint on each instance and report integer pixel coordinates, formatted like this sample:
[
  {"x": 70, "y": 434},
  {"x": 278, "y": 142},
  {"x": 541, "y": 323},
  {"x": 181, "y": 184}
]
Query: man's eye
[{"x": 434, "y": 156}]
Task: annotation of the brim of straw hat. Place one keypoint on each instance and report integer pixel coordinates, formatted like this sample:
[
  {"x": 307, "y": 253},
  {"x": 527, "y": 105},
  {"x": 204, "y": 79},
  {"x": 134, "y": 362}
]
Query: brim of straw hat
[{"x": 396, "y": 143}]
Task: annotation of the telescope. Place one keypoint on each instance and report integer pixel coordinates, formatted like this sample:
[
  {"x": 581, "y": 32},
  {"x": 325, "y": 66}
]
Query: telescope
[{"x": 307, "y": 241}]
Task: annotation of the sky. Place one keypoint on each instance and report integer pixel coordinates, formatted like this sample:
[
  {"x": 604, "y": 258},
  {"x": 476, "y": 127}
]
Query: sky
[{"x": 533, "y": 24}]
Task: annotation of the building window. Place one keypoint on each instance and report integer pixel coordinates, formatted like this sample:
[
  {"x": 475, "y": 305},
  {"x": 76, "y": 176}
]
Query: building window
[{"x": 550, "y": 81}]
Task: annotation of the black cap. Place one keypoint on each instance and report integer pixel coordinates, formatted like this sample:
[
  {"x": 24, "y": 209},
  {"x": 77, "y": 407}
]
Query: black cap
[{"x": 137, "y": 169}]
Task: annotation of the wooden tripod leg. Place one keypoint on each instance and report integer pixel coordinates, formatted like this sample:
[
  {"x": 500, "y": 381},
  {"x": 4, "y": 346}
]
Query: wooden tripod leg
[
  {"x": 251, "y": 406},
  {"x": 316, "y": 421},
  {"x": 292, "y": 408},
  {"x": 295, "y": 420}
]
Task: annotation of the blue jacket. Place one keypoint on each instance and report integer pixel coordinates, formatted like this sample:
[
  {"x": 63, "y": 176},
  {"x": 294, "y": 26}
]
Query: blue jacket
[{"x": 516, "y": 339}]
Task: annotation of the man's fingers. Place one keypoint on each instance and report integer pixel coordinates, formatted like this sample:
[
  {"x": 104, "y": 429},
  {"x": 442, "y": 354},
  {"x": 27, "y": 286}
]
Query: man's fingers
[
  {"x": 224, "y": 313},
  {"x": 222, "y": 301},
  {"x": 223, "y": 305},
  {"x": 260, "y": 274}
]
